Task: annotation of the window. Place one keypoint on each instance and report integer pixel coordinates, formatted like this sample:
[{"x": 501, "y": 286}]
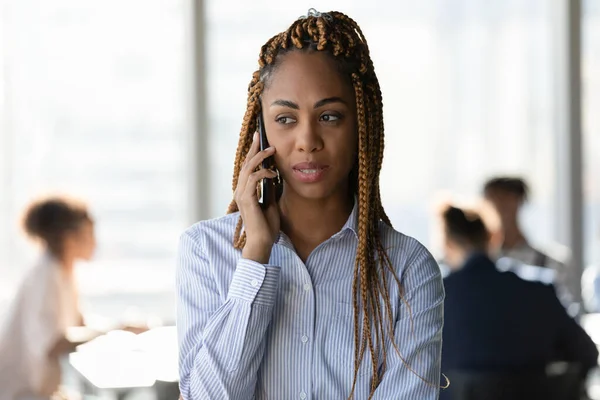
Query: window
[
  {"x": 591, "y": 128},
  {"x": 94, "y": 103},
  {"x": 467, "y": 92}
]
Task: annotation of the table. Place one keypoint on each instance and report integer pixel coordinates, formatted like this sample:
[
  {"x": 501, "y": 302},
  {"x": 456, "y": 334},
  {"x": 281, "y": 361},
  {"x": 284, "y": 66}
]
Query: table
[{"x": 121, "y": 361}]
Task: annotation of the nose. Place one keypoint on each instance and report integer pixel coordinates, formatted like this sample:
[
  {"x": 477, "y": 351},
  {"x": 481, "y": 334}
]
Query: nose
[{"x": 308, "y": 139}]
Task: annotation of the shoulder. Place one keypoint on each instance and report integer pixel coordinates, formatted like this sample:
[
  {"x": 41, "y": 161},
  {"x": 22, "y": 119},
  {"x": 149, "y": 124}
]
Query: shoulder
[
  {"x": 39, "y": 290},
  {"x": 526, "y": 288},
  {"x": 212, "y": 232},
  {"x": 206, "y": 248},
  {"x": 407, "y": 253},
  {"x": 43, "y": 275},
  {"x": 535, "y": 293},
  {"x": 539, "y": 288}
]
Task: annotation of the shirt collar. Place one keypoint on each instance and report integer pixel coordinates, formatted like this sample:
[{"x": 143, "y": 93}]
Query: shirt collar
[{"x": 350, "y": 225}]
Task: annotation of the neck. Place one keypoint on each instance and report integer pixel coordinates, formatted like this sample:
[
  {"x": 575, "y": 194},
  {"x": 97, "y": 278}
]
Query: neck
[
  {"x": 457, "y": 259},
  {"x": 308, "y": 222},
  {"x": 67, "y": 263},
  {"x": 513, "y": 236},
  {"x": 462, "y": 256}
]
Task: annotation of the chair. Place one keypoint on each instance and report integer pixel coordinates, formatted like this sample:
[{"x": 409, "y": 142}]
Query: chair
[
  {"x": 565, "y": 380},
  {"x": 560, "y": 382},
  {"x": 467, "y": 385}
]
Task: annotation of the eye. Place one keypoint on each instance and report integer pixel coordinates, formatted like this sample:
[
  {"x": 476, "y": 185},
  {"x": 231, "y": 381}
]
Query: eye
[
  {"x": 330, "y": 118},
  {"x": 285, "y": 120}
]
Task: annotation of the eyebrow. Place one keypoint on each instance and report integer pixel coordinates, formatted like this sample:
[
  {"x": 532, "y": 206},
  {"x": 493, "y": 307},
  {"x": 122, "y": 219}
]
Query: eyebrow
[
  {"x": 285, "y": 103},
  {"x": 320, "y": 103},
  {"x": 329, "y": 100}
]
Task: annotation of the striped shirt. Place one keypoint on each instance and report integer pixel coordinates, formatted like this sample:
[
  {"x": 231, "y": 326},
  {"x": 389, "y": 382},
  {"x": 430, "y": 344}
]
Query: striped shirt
[{"x": 285, "y": 330}]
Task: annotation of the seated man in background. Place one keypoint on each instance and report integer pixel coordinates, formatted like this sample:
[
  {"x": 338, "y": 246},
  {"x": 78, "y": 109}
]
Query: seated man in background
[
  {"x": 507, "y": 195},
  {"x": 497, "y": 322}
]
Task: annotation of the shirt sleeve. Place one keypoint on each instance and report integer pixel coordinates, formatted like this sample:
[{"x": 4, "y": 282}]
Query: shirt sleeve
[
  {"x": 221, "y": 341},
  {"x": 418, "y": 335}
]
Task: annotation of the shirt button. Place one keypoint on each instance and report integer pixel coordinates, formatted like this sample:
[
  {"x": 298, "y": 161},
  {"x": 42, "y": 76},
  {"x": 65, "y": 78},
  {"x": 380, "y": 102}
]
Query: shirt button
[
  {"x": 302, "y": 395},
  {"x": 307, "y": 287},
  {"x": 254, "y": 282},
  {"x": 304, "y": 339}
]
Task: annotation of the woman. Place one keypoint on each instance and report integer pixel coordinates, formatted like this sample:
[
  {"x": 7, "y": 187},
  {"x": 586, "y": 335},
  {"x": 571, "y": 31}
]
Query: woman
[
  {"x": 314, "y": 296},
  {"x": 46, "y": 303},
  {"x": 499, "y": 324}
]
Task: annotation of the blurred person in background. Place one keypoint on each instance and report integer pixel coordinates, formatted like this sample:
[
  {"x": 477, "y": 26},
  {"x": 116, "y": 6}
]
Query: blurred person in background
[
  {"x": 590, "y": 285},
  {"x": 590, "y": 288},
  {"x": 508, "y": 195},
  {"x": 46, "y": 303},
  {"x": 495, "y": 321}
]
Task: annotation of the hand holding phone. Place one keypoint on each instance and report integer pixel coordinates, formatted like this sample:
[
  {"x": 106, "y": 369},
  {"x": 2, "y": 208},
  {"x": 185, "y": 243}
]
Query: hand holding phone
[{"x": 261, "y": 221}]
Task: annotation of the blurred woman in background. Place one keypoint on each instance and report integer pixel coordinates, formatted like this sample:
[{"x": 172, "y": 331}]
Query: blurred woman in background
[
  {"x": 46, "y": 303},
  {"x": 499, "y": 324}
]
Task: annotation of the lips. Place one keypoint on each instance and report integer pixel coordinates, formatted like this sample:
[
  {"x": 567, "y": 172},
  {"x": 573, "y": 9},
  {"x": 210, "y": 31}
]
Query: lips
[{"x": 309, "y": 172}]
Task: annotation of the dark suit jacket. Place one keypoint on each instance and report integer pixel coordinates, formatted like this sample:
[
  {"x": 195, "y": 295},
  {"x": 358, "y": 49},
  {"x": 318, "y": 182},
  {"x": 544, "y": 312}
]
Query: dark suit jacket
[{"x": 496, "y": 322}]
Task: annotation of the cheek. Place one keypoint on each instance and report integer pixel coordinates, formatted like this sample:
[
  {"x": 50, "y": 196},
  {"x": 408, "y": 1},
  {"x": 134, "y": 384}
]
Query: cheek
[
  {"x": 88, "y": 243},
  {"x": 279, "y": 161},
  {"x": 344, "y": 151},
  {"x": 284, "y": 148},
  {"x": 350, "y": 140},
  {"x": 282, "y": 141}
]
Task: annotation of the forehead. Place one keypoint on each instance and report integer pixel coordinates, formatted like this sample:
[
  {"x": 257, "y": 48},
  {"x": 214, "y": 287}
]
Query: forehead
[
  {"x": 302, "y": 76},
  {"x": 499, "y": 193}
]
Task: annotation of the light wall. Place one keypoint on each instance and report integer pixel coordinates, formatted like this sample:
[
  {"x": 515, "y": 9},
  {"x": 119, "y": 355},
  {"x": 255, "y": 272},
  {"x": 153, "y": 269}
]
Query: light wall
[{"x": 137, "y": 105}]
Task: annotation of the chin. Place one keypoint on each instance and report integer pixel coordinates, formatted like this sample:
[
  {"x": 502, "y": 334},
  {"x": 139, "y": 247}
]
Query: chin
[{"x": 318, "y": 191}]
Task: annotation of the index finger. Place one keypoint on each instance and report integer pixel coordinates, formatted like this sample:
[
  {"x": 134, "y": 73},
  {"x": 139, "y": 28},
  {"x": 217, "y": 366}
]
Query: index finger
[{"x": 253, "y": 149}]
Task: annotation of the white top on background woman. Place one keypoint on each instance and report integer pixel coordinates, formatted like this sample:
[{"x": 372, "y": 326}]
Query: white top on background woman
[{"x": 46, "y": 303}]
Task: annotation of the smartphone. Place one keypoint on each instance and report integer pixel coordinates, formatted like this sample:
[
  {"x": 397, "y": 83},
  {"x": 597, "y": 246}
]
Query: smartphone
[{"x": 266, "y": 190}]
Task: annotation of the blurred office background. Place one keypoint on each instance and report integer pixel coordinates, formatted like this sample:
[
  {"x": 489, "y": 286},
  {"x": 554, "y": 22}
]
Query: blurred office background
[{"x": 136, "y": 107}]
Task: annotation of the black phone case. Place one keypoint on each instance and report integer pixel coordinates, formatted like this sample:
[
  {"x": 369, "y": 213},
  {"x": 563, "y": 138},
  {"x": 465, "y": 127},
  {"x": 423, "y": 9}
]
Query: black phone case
[{"x": 266, "y": 185}]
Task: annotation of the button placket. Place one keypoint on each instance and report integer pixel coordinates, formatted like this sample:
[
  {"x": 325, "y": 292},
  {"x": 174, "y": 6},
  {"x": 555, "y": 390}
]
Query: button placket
[
  {"x": 305, "y": 285},
  {"x": 302, "y": 291}
]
